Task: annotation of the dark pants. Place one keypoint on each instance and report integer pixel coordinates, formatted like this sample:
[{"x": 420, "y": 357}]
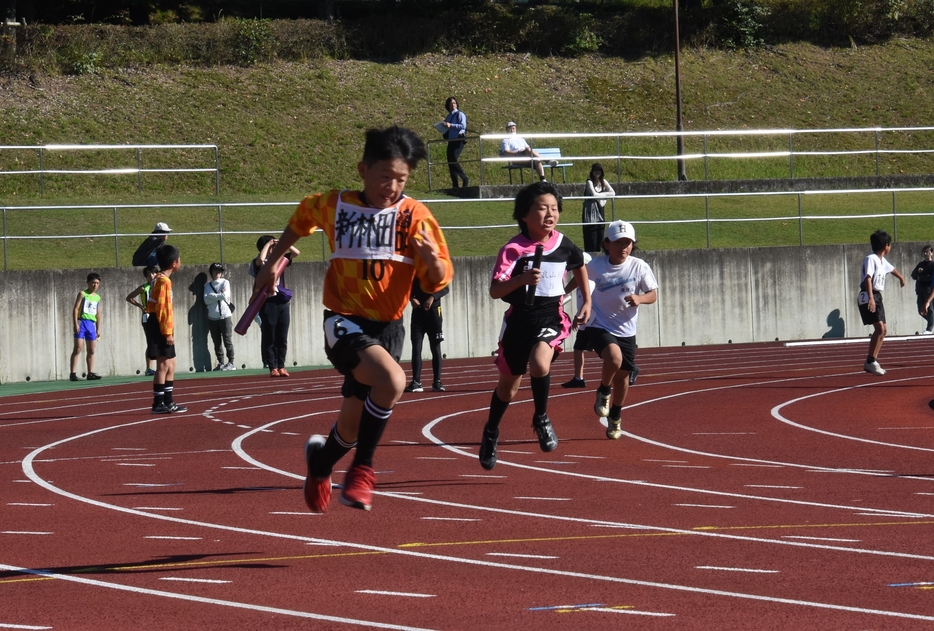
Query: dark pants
[
  {"x": 221, "y": 335},
  {"x": 930, "y": 315},
  {"x": 593, "y": 237},
  {"x": 274, "y": 341},
  {"x": 457, "y": 171}
]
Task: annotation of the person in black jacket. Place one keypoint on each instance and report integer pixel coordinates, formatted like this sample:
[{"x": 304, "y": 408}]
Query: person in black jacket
[
  {"x": 426, "y": 319},
  {"x": 146, "y": 253},
  {"x": 922, "y": 274}
]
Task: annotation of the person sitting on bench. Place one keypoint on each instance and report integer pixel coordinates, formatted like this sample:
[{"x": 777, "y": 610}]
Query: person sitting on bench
[{"x": 515, "y": 145}]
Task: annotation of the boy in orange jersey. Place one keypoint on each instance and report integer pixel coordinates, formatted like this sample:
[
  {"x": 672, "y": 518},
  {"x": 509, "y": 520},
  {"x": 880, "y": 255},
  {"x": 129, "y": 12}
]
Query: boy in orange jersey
[
  {"x": 160, "y": 331},
  {"x": 380, "y": 240}
]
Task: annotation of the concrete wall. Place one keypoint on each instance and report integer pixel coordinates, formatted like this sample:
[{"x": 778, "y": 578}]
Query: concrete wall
[{"x": 705, "y": 297}]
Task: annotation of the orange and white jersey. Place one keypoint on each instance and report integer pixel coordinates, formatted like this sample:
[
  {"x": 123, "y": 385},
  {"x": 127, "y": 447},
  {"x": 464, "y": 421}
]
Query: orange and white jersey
[{"x": 372, "y": 264}]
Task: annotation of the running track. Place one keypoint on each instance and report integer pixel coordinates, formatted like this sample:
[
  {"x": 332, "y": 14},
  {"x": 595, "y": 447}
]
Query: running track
[{"x": 756, "y": 487}]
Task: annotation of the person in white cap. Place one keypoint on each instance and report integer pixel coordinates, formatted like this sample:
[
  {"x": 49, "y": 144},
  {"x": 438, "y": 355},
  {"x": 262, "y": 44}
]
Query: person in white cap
[
  {"x": 146, "y": 253},
  {"x": 515, "y": 145},
  {"x": 622, "y": 282}
]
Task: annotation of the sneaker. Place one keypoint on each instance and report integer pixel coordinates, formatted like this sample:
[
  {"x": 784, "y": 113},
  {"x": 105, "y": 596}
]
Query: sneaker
[
  {"x": 73, "y": 377},
  {"x": 150, "y": 372},
  {"x": 633, "y": 374},
  {"x": 358, "y": 487},
  {"x": 926, "y": 332},
  {"x": 602, "y": 405},
  {"x": 437, "y": 387},
  {"x": 415, "y": 386},
  {"x": 613, "y": 429},
  {"x": 219, "y": 367},
  {"x": 231, "y": 366},
  {"x": 576, "y": 382},
  {"x": 547, "y": 439},
  {"x": 284, "y": 373},
  {"x": 317, "y": 491},
  {"x": 273, "y": 372},
  {"x": 162, "y": 408},
  {"x": 873, "y": 368},
  {"x": 488, "y": 447},
  {"x": 175, "y": 408},
  {"x": 93, "y": 376}
]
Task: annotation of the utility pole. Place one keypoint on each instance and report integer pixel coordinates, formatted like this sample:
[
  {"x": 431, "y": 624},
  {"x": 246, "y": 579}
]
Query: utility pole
[{"x": 682, "y": 175}]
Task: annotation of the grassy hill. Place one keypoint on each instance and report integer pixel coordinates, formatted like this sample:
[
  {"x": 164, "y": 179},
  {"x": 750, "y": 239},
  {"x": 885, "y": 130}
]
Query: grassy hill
[{"x": 289, "y": 129}]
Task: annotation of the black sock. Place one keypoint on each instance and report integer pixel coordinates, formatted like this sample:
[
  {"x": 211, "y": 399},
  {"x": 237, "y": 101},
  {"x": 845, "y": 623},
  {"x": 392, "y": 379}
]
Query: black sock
[
  {"x": 497, "y": 409},
  {"x": 169, "y": 387},
  {"x": 158, "y": 394},
  {"x": 616, "y": 411},
  {"x": 334, "y": 449},
  {"x": 372, "y": 423},
  {"x": 540, "y": 386},
  {"x": 870, "y": 359},
  {"x": 604, "y": 389}
]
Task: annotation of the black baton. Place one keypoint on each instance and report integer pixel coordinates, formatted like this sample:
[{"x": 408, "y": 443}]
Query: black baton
[{"x": 536, "y": 264}]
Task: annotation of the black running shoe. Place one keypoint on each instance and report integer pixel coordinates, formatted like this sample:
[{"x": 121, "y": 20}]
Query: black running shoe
[
  {"x": 576, "y": 382},
  {"x": 437, "y": 387},
  {"x": 547, "y": 439},
  {"x": 93, "y": 376},
  {"x": 488, "y": 447},
  {"x": 162, "y": 408},
  {"x": 73, "y": 377},
  {"x": 175, "y": 408},
  {"x": 633, "y": 374},
  {"x": 415, "y": 386}
]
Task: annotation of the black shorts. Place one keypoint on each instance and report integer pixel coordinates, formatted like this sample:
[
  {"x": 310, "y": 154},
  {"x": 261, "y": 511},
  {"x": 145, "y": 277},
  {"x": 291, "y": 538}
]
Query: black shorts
[
  {"x": 600, "y": 339},
  {"x": 344, "y": 338},
  {"x": 156, "y": 345},
  {"x": 582, "y": 341},
  {"x": 427, "y": 322},
  {"x": 520, "y": 336},
  {"x": 871, "y": 317}
]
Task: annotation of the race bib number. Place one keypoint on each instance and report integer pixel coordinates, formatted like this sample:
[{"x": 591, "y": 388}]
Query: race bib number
[
  {"x": 862, "y": 298},
  {"x": 336, "y": 327},
  {"x": 364, "y": 233}
]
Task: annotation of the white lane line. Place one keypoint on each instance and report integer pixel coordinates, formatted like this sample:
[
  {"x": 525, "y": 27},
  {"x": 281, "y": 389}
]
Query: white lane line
[
  {"x": 923, "y": 493},
  {"x": 377, "y": 592},
  {"x": 134, "y": 464},
  {"x": 820, "y": 538},
  {"x": 555, "y": 462},
  {"x": 750, "y": 464},
  {"x": 582, "y": 456},
  {"x": 434, "y": 458},
  {"x": 243, "y": 468},
  {"x": 211, "y": 601},
  {"x": 283, "y": 512},
  {"x": 506, "y": 451},
  {"x": 148, "y": 485},
  {"x": 480, "y": 475},
  {"x": 900, "y": 428},
  {"x": 521, "y": 556},
  {"x": 657, "y": 460},
  {"x": 193, "y": 580},
  {"x": 26, "y": 504},
  {"x": 155, "y": 508},
  {"x": 686, "y": 466},
  {"x": 6, "y": 625},
  {"x": 634, "y": 612},
  {"x": 735, "y": 569},
  {"x": 129, "y": 448},
  {"x": 172, "y": 537},
  {"x": 25, "y": 532},
  {"x": 703, "y": 505},
  {"x": 544, "y": 499},
  {"x": 450, "y": 518}
]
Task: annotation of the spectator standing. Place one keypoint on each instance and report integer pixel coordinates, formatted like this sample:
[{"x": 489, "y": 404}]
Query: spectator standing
[
  {"x": 143, "y": 291},
  {"x": 869, "y": 300},
  {"x": 515, "y": 145},
  {"x": 455, "y": 128},
  {"x": 87, "y": 325},
  {"x": 426, "y": 320},
  {"x": 922, "y": 274},
  {"x": 275, "y": 316},
  {"x": 160, "y": 331},
  {"x": 146, "y": 253},
  {"x": 596, "y": 188},
  {"x": 220, "y": 311}
]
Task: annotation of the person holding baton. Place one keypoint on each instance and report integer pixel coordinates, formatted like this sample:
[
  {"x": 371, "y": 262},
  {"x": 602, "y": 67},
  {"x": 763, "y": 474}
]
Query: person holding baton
[{"x": 529, "y": 276}]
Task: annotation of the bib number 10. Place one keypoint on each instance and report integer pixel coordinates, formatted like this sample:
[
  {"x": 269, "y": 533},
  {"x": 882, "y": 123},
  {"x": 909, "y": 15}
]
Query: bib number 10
[{"x": 374, "y": 269}]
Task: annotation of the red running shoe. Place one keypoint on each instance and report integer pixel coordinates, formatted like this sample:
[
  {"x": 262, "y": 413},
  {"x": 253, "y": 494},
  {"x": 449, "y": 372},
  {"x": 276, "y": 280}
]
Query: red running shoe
[
  {"x": 273, "y": 372},
  {"x": 317, "y": 491},
  {"x": 358, "y": 487},
  {"x": 284, "y": 373}
]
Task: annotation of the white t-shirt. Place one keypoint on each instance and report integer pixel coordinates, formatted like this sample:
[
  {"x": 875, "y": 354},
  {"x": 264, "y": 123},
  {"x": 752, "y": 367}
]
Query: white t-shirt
[
  {"x": 612, "y": 283},
  {"x": 876, "y": 267},
  {"x": 512, "y": 144}
]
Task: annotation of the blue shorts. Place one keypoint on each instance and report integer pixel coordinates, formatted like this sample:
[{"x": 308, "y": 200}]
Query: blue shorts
[{"x": 87, "y": 330}]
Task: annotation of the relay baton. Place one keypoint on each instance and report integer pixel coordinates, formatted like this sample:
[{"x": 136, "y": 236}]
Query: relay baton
[
  {"x": 253, "y": 308},
  {"x": 536, "y": 264}
]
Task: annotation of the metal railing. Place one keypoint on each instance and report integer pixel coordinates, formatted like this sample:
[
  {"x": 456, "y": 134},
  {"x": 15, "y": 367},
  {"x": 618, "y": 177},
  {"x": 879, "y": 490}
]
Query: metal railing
[
  {"x": 877, "y": 142},
  {"x": 706, "y": 219},
  {"x": 138, "y": 168}
]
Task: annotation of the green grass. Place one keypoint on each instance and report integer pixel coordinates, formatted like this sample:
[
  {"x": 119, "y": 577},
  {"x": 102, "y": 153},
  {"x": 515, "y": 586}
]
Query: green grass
[{"x": 289, "y": 129}]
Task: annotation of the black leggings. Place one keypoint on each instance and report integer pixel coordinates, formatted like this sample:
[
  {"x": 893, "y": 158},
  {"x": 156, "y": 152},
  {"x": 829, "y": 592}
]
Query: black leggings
[{"x": 274, "y": 341}]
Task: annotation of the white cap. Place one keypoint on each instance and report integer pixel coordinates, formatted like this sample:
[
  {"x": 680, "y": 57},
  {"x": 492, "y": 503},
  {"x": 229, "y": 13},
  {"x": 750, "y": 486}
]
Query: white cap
[
  {"x": 162, "y": 227},
  {"x": 510, "y": 124},
  {"x": 620, "y": 230}
]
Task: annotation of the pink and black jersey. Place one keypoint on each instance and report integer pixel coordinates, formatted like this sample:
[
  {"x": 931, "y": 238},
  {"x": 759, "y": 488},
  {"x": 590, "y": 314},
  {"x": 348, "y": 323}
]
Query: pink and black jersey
[{"x": 560, "y": 256}]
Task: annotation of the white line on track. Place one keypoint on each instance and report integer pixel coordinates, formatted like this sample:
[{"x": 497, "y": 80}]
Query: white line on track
[
  {"x": 155, "y": 508},
  {"x": 5, "y": 625},
  {"x": 403, "y": 594},
  {"x": 450, "y": 519},
  {"x": 703, "y": 506},
  {"x": 27, "y": 504},
  {"x": 634, "y": 612},
  {"x": 25, "y": 532},
  {"x": 193, "y": 580},
  {"x": 172, "y": 537},
  {"x": 208, "y": 601},
  {"x": 820, "y": 538},
  {"x": 521, "y": 556},
  {"x": 735, "y": 569}
]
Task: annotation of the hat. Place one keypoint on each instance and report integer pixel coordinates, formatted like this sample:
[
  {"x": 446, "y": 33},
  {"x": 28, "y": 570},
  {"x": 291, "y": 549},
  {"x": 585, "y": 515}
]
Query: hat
[
  {"x": 511, "y": 124},
  {"x": 620, "y": 230},
  {"x": 216, "y": 267},
  {"x": 162, "y": 227}
]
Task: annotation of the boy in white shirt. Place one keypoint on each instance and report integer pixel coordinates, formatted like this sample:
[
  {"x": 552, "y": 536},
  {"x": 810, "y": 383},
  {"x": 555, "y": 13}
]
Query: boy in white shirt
[
  {"x": 869, "y": 300},
  {"x": 622, "y": 282}
]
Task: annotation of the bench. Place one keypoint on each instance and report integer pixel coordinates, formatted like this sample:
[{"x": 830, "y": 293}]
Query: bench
[{"x": 549, "y": 157}]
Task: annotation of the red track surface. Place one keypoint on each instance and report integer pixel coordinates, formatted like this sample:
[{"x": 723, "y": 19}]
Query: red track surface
[{"x": 757, "y": 487}]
